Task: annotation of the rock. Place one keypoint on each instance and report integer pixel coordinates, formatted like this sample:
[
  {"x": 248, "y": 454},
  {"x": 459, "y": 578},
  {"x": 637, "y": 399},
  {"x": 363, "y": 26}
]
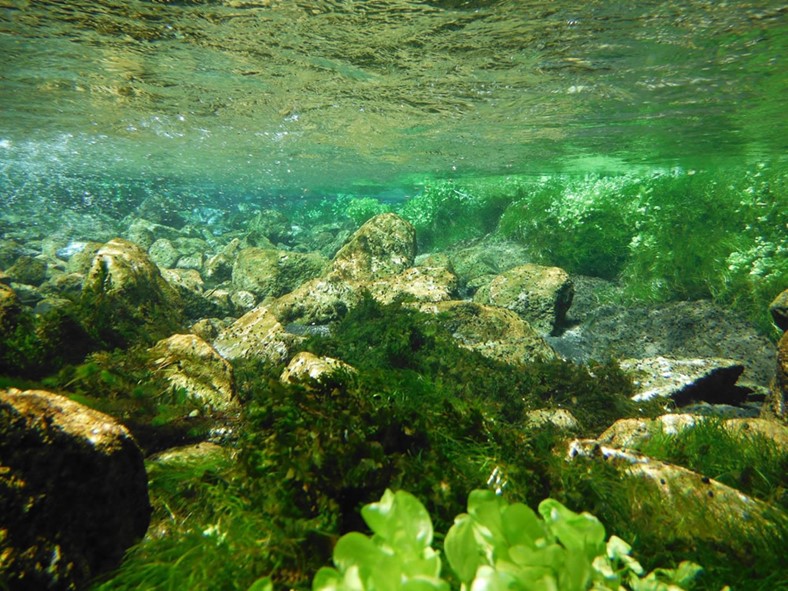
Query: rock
[
  {"x": 219, "y": 267},
  {"x": 257, "y": 335},
  {"x": 318, "y": 373},
  {"x": 73, "y": 492},
  {"x": 631, "y": 433},
  {"x": 384, "y": 245},
  {"x": 273, "y": 273},
  {"x": 186, "y": 361},
  {"x": 241, "y": 301},
  {"x": 163, "y": 253},
  {"x": 496, "y": 333},
  {"x": 189, "y": 285},
  {"x": 190, "y": 261},
  {"x": 29, "y": 295},
  {"x": 697, "y": 329},
  {"x": 777, "y": 401},
  {"x": 166, "y": 210},
  {"x": 188, "y": 246},
  {"x": 10, "y": 309},
  {"x": 691, "y": 509},
  {"x": 82, "y": 260},
  {"x": 318, "y": 301},
  {"x": 28, "y": 270},
  {"x": 779, "y": 310},
  {"x": 476, "y": 265},
  {"x": 683, "y": 380},
  {"x": 268, "y": 227},
  {"x": 539, "y": 295},
  {"x": 420, "y": 284},
  {"x": 560, "y": 418},
  {"x": 144, "y": 232},
  {"x": 208, "y": 328},
  {"x": 126, "y": 299}
]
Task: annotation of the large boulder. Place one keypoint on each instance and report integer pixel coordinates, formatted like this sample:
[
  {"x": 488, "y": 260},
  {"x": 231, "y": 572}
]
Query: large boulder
[
  {"x": 420, "y": 284},
  {"x": 698, "y": 329},
  {"x": 187, "y": 362},
  {"x": 691, "y": 509},
  {"x": 384, "y": 245},
  {"x": 317, "y": 373},
  {"x": 258, "y": 334},
  {"x": 273, "y": 273},
  {"x": 777, "y": 403},
  {"x": 126, "y": 299},
  {"x": 683, "y": 380},
  {"x": 779, "y": 310},
  {"x": 540, "y": 295},
  {"x": 73, "y": 492},
  {"x": 494, "y": 332}
]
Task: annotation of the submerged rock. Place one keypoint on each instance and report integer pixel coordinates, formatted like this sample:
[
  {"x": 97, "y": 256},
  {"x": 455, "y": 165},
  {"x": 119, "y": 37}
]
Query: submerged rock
[
  {"x": 539, "y": 295},
  {"x": 384, "y": 245},
  {"x": 257, "y": 335},
  {"x": 73, "y": 492},
  {"x": 494, "y": 332},
  {"x": 779, "y": 310},
  {"x": 187, "y": 362},
  {"x": 682, "y": 380},
  {"x": 697, "y": 329},
  {"x": 126, "y": 299},
  {"x": 273, "y": 273},
  {"x": 317, "y": 373},
  {"x": 691, "y": 509},
  {"x": 777, "y": 403},
  {"x": 28, "y": 270},
  {"x": 421, "y": 284}
]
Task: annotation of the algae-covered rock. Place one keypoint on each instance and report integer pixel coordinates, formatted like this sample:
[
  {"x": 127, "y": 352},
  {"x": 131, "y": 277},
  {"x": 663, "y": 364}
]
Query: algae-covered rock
[
  {"x": 690, "y": 509},
  {"x": 779, "y": 310},
  {"x": 28, "y": 270},
  {"x": 258, "y": 334},
  {"x": 126, "y": 299},
  {"x": 190, "y": 287},
  {"x": 632, "y": 433},
  {"x": 10, "y": 308},
  {"x": 540, "y": 295},
  {"x": 682, "y": 380},
  {"x": 559, "y": 418},
  {"x": 317, "y": 373},
  {"x": 163, "y": 253},
  {"x": 273, "y": 273},
  {"x": 494, "y": 332},
  {"x": 187, "y": 362},
  {"x": 318, "y": 301},
  {"x": 384, "y": 245},
  {"x": 73, "y": 492},
  {"x": 777, "y": 402},
  {"x": 420, "y": 284}
]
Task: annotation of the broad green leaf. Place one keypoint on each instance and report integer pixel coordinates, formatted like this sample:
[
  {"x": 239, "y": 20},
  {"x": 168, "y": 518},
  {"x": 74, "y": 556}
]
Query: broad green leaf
[
  {"x": 326, "y": 579},
  {"x": 486, "y": 507},
  {"x": 618, "y": 550},
  {"x": 575, "y": 573},
  {"x": 576, "y": 531},
  {"x": 425, "y": 584},
  {"x": 488, "y": 579},
  {"x": 356, "y": 549},
  {"x": 401, "y": 520},
  {"x": 521, "y": 526},
  {"x": 462, "y": 549},
  {"x": 262, "y": 584}
]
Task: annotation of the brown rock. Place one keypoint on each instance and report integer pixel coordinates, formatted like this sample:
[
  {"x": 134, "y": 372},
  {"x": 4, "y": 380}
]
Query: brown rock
[
  {"x": 384, "y": 245},
  {"x": 779, "y": 310},
  {"x": 257, "y": 334},
  {"x": 73, "y": 492},
  {"x": 494, "y": 332},
  {"x": 127, "y": 299},
  {"x": 777, "y": 402},
  {"x": 186, "y": 361},
  {"x": 539, "y": 295},
  {"x": 317, "y": 373}
]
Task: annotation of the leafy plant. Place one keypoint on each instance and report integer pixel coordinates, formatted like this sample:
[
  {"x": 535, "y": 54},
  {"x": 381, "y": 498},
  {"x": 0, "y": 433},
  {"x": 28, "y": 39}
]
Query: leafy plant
[{"x": 494, "y": 546}]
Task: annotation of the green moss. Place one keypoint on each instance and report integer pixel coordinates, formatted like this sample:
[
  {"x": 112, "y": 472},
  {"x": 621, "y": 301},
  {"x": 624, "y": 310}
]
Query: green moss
[{"x": 743, "y": 459}]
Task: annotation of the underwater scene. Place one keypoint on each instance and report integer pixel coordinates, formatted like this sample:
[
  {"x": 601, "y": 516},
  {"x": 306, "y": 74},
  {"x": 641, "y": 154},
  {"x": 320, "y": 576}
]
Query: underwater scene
[{"x": 393, "y": 295}]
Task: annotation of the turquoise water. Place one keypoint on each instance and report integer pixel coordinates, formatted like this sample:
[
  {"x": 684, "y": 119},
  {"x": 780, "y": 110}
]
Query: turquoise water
[{"x": 303, "y": 98}]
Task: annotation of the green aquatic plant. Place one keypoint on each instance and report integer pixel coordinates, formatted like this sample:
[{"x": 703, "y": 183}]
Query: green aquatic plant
[
  {"x": 739, "y": 457},
  {"x": 495, "y": 545}
]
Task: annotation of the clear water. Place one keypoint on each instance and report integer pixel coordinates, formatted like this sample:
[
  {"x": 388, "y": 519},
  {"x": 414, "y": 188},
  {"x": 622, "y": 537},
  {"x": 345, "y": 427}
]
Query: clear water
[{"x": 310, "y": 97}]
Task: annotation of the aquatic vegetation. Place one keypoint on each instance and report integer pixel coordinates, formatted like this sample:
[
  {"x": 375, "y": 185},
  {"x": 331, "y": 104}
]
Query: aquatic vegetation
[
  {"x": 446, "y": 212},
  {"x": 495, "y": 545},
  {"x": 744, "y": 459}
]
